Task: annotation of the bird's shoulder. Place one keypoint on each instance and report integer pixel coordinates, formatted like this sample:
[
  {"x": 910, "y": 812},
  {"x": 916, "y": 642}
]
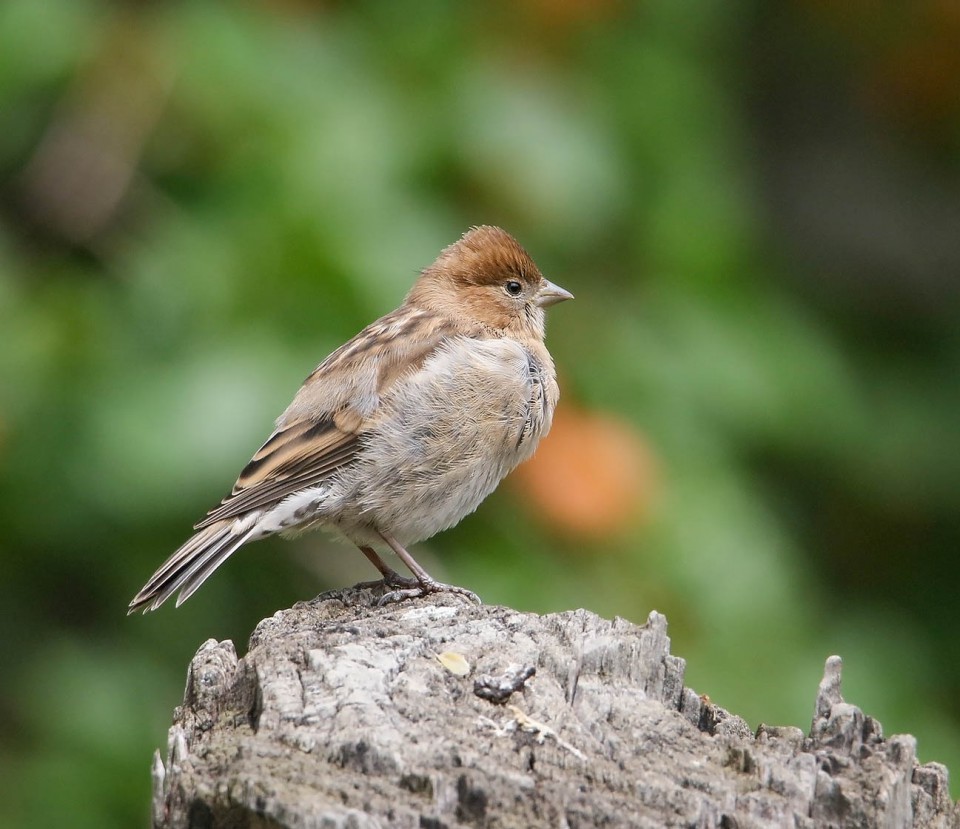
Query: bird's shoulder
[{"x": 350, "y": 383}]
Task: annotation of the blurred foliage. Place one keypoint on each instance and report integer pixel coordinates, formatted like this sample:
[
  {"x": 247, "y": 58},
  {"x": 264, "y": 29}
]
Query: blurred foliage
[{"x": 755, "y": 204}]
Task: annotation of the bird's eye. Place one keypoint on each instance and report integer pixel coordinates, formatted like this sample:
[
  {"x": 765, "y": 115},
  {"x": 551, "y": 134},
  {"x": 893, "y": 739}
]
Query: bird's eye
[{"x": 513, "y": 287}]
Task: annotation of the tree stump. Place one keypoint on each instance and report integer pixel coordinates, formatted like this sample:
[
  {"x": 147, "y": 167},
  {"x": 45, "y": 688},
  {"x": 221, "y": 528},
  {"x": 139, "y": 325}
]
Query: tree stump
[{"x": 438, "y": 714}]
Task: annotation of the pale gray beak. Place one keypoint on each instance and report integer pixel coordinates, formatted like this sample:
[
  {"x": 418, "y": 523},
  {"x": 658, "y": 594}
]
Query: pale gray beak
[{"x": 551, "y": 294}]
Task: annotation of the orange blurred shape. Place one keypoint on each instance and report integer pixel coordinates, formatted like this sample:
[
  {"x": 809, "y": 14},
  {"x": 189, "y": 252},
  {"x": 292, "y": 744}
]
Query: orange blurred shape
[
  {"x": 918, "y": 80},
  {"x": 592, "y": 478},
  {"x": 908, "y": 55},
  {"x": 572, "y": 13}
]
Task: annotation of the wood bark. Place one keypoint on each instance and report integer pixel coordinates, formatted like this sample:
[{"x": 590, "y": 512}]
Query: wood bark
[{"x": 438, "y": 714}]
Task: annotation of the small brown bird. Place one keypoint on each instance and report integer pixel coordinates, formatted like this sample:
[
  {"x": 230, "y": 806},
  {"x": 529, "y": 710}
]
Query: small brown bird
[{"x": 403, "y": 430}]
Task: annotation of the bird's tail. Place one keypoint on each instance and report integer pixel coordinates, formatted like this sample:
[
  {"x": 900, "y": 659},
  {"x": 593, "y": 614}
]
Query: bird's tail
[{"x": 192, "y": 564}]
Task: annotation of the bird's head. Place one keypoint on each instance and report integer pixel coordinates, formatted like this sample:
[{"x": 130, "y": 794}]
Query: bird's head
[{"x": 487, "y": 277}]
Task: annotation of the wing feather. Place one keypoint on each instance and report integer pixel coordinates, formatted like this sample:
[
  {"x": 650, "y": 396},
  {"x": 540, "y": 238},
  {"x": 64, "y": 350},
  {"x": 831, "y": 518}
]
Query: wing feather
[
  {"x": 322, "y": 430},
  {"x": 285, "y": 464}
]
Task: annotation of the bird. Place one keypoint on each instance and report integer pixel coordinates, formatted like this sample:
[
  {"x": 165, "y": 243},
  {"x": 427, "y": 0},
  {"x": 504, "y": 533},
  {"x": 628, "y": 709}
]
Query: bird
[{"x": 404, "y": 429}]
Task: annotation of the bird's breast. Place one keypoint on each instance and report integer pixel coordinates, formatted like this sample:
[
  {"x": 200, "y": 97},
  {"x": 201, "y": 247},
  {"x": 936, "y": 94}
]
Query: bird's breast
[
  {"x": 488, "y": 399},
  {"x": 448, "y": 433}
]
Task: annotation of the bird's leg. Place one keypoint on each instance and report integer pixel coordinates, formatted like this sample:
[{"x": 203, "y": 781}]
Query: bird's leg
[
  {"x": 425, "y": 583},
  {"x": 391, "y": 577}
]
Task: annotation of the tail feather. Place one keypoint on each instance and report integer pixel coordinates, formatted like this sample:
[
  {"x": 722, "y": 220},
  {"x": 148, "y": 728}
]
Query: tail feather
[{"x": 190, "y": 566}]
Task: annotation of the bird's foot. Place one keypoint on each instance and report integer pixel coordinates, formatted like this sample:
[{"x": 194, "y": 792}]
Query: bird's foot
[
  {"x": 393, "y": 579},
  {"x": 424, "y": 588}
]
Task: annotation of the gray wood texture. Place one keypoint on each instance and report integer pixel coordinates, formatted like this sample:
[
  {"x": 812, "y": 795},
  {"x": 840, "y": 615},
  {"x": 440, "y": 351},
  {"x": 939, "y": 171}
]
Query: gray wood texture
[{"x": 438, "y": 714}]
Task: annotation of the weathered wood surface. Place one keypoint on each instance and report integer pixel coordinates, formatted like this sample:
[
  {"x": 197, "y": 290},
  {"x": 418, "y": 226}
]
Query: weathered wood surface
[{"x": 347, "y": 715}]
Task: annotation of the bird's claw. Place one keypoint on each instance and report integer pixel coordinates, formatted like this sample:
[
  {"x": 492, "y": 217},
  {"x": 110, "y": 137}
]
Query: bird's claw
[
  {"x": 391, "y": 579},
  {"x": 425, "y": 588}
]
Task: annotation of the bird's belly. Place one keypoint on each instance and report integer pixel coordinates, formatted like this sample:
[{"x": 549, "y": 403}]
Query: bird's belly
[
  {"x": 446, "y": 441},
  {"x": 421, "y": 509}
]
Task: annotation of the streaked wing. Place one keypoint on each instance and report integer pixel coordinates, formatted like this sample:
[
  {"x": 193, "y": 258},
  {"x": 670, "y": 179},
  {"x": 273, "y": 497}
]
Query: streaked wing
[
  {"x": 298, "y": 456},
  {"x": 319, "y": 431}
]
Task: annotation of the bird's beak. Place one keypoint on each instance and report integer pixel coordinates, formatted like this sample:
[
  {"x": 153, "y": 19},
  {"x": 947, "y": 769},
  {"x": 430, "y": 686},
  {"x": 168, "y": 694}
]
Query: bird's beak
[{"x": 550, "y": 294}]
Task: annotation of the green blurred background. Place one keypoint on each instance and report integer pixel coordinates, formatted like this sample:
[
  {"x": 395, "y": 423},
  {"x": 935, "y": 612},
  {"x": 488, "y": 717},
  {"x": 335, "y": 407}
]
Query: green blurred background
[{"x": 756, "y": 204}]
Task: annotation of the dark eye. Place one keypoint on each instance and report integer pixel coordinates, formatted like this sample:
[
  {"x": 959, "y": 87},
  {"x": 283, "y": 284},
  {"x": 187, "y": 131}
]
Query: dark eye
[{"x": 513, "y": 287}]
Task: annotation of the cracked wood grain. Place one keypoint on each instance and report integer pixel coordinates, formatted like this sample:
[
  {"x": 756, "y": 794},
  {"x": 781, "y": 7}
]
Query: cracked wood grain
[{"x": 342, "y": 716}]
